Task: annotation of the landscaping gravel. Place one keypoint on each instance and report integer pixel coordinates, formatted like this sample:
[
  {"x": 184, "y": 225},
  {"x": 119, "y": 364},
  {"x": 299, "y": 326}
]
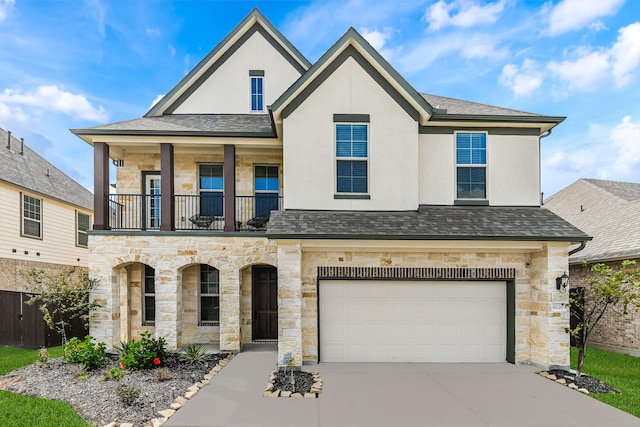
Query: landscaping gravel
[
  {"x": 302, "y": 381},
  {"x": 594, "y": 385},
  {"x": 95, "y": 398}
]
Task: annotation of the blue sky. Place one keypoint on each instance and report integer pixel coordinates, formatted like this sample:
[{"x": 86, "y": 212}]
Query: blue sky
[{"x": 74, "y": 64}]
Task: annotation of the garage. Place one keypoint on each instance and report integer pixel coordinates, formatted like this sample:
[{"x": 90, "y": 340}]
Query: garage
[{"x": 412, "y": 321}]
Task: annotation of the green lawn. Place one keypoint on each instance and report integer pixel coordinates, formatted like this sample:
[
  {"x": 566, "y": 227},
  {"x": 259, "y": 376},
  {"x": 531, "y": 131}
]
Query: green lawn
[
  {"x": 13, "y": 358},
  {"x": 620, "y": 371},
  {"x": 25, "y": 411}
]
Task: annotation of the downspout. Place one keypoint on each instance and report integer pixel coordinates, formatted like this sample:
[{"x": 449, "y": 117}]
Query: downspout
[
  {"x": 579, "y": 248},
  {"x": 542, "y": 135}
]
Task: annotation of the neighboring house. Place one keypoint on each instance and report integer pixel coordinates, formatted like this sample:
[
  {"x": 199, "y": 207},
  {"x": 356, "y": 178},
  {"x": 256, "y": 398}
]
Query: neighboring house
[
  {"x": 44, "y": 219},
  {"x": 403, "y": 226},
  {"x": 609, "y": 211}
]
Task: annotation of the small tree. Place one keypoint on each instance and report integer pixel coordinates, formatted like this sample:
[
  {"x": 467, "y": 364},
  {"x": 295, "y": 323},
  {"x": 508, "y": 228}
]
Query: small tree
[
  {"x": 605, "y": 290},
  {"x": 62, "y": 296}
]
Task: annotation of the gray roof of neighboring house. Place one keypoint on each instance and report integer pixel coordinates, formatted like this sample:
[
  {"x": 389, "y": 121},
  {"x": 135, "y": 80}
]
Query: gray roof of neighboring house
[
  {"x": 34, "y": 173},
  {"x": 259, "y": 125},
  {"x": 459, "y": 106},
  {"x": 607, "y": 210},
  {"x": 427, "y": 223}
]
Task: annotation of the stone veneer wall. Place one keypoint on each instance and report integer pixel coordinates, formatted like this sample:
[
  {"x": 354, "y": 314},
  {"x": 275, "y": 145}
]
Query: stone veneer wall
[
  {"x": 614, "y": 329},
  {"x": 10, "y": 279},
  {"x": 116, "y": 261},
  {"x": 540, "y": 336}
]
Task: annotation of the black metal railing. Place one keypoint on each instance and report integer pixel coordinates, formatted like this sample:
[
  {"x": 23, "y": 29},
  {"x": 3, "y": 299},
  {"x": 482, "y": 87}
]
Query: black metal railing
[
  {"x": 134, "y": 211},
  {"x": 191, "y": 212},
  {"x": 199, "y": 212},
  {"x": 253, "y": 212}
]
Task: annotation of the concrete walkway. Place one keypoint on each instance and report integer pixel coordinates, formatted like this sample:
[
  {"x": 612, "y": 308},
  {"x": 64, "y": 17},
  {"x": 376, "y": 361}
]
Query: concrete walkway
[{"x": 403, "y": 394}]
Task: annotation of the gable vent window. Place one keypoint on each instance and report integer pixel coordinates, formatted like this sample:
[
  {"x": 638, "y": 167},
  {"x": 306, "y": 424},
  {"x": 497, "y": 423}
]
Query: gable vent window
[
  {"x": 471, "y": 165},
  {"x": 257, "y": 90}
]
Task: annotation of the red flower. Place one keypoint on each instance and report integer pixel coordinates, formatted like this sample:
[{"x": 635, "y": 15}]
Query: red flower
[
  {"x": 122, "y": 365},
  {"x": 156, "y": 360}
]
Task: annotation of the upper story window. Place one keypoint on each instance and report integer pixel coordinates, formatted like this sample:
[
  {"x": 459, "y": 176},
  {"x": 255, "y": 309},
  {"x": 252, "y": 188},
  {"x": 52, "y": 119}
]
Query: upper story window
[
  {"x": 352, "y": 154},
  {"x": 209, "y": 294},
  {"x": 257, "y": 89},
  {"x": 211, "y": 189},
  {"x": 31, "y": 216},
  {"x": 82, "y": 226},
  {"x": 267, "y": 189},
  {"x": 471, "y": 165},
  {"x": 149, "y": 297}
]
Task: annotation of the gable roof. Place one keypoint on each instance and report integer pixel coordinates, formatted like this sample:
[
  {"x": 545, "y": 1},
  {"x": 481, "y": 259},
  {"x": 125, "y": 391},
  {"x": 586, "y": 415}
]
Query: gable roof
[
  {"x": 254, "y": 22},
  {"x": 32, "y": 172},
  {"x": 427, "y": 223},
  {"x": 608, "y": 211},
  {"x": 353, "y": 45}
]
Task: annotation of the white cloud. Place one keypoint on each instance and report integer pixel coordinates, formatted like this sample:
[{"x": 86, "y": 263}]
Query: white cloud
[
  {"x": 11, "y": 115},
  {"x": 625, "y": 54},
  {"x": 172, "y": 50},
  {"x": 378, "y": 40},
  {"x": 155, "y": 101},
  {"x": 153, "y": 32},
  {"x": 570, "y": 15},
  {"x": 624, "y": 138},
  {"x": 523, "y": 80},
  {"x": 597, "y": 26},
  {"x": 462, "y": 13},
  {"x": 589, "y": 69},
  {"x": 5, "y": 6},
  {"x": 52, "y": 98},
  {"x": 587, "y": 72},
  {"x": 482, "y": 46}
]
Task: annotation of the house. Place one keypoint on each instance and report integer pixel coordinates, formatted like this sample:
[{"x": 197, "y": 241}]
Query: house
[
  {"x": 608, "y": 211},
  {"x": 330, "y": 207},
  {"x": 44, "y": 221}
]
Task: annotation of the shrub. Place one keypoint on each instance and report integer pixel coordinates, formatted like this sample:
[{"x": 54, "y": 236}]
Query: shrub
[
  {"x": 43, "y": 357},
  {"x": 162, "y": 374},
  {"x": 116, "y": 374},
  {"x": 193, "y": 353},
  {"x": 87, "y": 352},
  {"x": 144, "y": 354},
  {"x": 127, "y": 394}
]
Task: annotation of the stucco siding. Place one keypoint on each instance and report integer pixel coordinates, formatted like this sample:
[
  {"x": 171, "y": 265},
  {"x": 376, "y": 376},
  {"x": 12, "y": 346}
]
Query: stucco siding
[
  {"x": 228, "y": 90},
  {"x": 513, "y": 174},
  {"x": 309, "y": 145}
]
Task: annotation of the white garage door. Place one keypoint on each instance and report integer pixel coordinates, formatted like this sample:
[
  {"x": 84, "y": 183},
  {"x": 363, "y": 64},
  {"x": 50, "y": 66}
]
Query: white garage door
[{"x": 412, "y": 321}]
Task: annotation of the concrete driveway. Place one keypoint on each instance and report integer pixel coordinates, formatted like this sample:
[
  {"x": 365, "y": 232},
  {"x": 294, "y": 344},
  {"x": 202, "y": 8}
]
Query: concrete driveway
[{"x": 404, "y": 394}]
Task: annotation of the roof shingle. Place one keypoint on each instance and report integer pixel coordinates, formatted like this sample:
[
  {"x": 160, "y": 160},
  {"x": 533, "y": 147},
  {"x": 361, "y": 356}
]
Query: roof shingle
[
  {"x": 427, "y": 223},
  {"x": 32, "y": 172}
]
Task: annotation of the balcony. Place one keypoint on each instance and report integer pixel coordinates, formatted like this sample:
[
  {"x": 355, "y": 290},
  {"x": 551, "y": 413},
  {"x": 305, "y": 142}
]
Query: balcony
[{"x": 191, "y": 212}]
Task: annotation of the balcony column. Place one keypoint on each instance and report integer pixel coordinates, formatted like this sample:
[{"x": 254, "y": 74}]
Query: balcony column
[
  {"x": 229, "y": 175},
  {"x": 100, "y": 185},
  {"x": 167, "y": 207}
]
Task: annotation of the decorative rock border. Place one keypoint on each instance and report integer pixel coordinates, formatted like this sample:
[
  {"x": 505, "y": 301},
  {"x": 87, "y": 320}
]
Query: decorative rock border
[
  {"x": 316, "y": 388},
  {"x": 562, "y": 381},
  {"x": 165, "y": 414}
]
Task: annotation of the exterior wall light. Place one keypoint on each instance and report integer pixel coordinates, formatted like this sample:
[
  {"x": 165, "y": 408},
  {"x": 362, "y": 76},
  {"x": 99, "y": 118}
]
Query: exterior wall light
[{"x": 562, "y": 283}]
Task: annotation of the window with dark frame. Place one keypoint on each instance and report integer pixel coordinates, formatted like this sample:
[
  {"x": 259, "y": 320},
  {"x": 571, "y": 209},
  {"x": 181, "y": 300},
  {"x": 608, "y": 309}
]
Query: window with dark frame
[
  {"x": 471, "y": 165},
  {"x": 209, "y": 295},
  {"x": 31, "y": 216},
  {"x": 257, "y": 90},
  {"x": 82, "y": 226},
  {"x": 352, "y": 157},
  {"x": 211, "y": 189},
  {"x": 149, "y": 297},
  {"x": 267, "y": 189}
]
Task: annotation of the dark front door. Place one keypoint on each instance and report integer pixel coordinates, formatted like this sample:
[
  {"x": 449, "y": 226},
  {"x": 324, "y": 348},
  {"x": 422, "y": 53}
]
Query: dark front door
[{"x": 265, "y": 303}]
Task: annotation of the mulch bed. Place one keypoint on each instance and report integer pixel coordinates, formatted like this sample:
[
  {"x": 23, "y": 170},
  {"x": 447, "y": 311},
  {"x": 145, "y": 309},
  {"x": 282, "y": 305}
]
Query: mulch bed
[{"x": 95, "y": 398}]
